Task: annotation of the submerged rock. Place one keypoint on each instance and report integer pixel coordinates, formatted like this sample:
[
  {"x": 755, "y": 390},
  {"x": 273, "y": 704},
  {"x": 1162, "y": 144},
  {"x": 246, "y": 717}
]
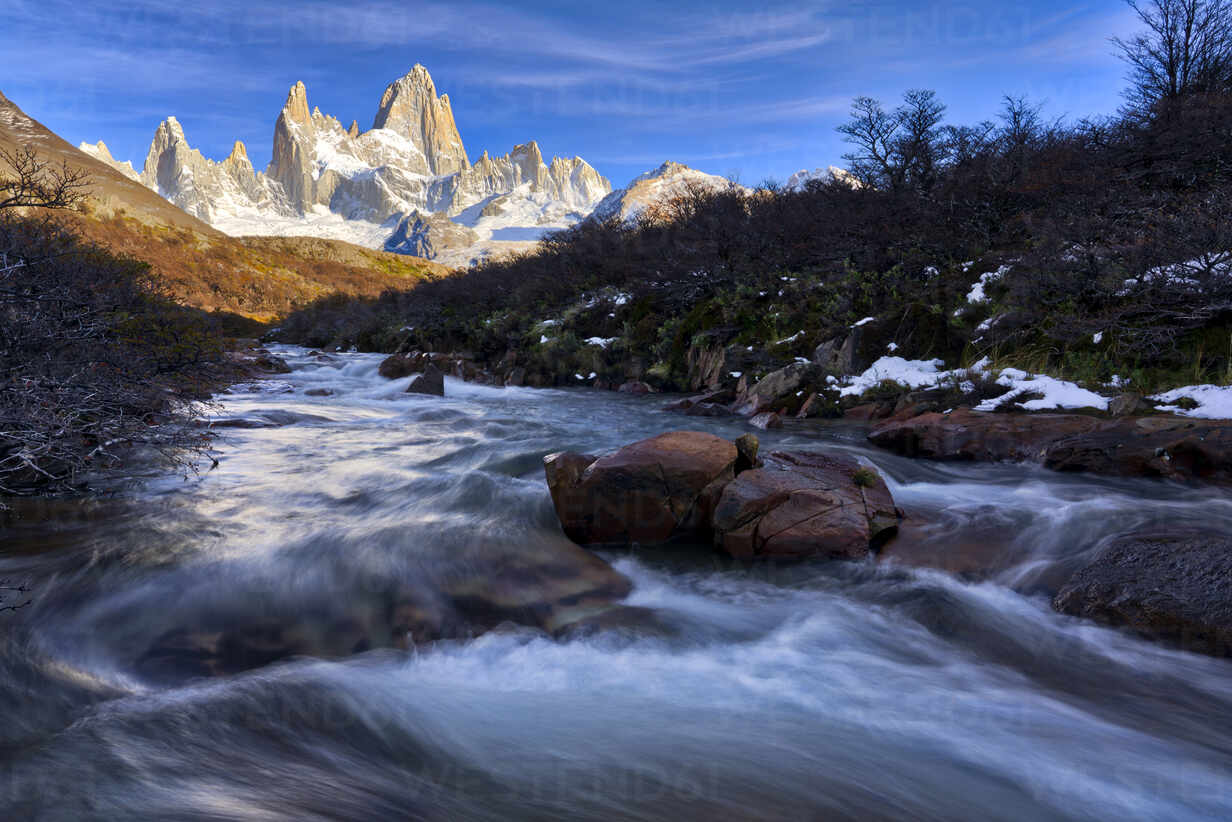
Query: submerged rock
[
  {"x": 649, "y": 492},
  {"x": 270, "y": 363},
  {"x": 547, "y": 586},
  {"x": 767, "y": 420},
  {"x": 1176, "y": 588},
  {"x": 397, "y": 366},
  {"x": 804, "y": 504},
  {"x": 431, "y": 381}
]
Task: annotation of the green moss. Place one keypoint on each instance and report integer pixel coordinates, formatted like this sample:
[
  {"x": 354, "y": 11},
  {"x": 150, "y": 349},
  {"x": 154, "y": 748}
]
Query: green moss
[{"x": 865, "y": 477}]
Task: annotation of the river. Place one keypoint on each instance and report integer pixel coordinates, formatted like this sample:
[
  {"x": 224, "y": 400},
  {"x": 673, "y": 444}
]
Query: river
[{"x": 810, "y": 691}]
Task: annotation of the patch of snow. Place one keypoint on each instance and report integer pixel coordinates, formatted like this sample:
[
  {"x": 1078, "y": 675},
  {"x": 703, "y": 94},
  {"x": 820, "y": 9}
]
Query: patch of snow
[
  {"x": 1055, "y": 393},
  {"x": 864, "y": 321},
  {"x": 602, "y": 342},
  {"x": 1098, "y": 338},
  {"x": 892, "y": 347},
  {"x": 976, "y": 294},
  {"x": 737, "y": 374},
  {"x": 1214, "y": 401},
  {"x": 911, "y": 373},
  {"x": 1186, "y": 275},
  {"x": 791, "y": 339},
  {"x": 544, "y": 339}
]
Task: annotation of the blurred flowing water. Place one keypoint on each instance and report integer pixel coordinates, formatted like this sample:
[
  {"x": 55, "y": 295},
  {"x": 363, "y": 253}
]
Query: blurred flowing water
[{"x": 808, "y": 691}]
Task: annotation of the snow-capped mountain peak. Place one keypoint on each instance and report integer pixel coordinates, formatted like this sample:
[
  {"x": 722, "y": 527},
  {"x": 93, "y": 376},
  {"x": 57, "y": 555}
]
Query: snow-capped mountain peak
[
  {"x": 650, "y": 190},
  {"x": 409, "y": 169}
]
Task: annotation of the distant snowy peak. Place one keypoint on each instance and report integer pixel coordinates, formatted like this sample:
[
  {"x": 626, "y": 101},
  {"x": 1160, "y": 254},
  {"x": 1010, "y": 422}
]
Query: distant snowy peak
[
  {"x": 99, "y": 151},
  {"x": 648, "y": 193},
  {"x": 411, "y": 164},
  {"x": 800, "y": 180},
  {"x": 204, "y": 188},
  {"x": 410, "y": 108}
]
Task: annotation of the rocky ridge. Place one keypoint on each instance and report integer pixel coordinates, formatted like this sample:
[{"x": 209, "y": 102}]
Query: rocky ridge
[{"x": 326, "y": 179}]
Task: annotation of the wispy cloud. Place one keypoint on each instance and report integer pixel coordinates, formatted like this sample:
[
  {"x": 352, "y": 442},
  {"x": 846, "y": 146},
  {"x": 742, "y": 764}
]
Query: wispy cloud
[{"x": 639, "y": 68}]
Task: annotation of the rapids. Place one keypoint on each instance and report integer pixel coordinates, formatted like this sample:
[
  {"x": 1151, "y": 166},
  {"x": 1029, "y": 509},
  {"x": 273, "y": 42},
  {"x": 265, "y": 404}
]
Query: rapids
[{"x": 809, "y": 691}]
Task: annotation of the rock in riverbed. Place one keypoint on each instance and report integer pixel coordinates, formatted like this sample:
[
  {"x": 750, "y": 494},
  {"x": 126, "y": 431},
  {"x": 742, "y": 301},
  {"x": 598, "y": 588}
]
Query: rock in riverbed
[
  {"x": 1172, "y": 587},
  {"x": 649, "y": 492},
  {"x": 431, "y": 381},
  {"x": 1168, "y": 447},
  {"x": 805, "y": 505},
  {"x": 549, "y": 585},
  {"x": 687, "y": 486}
]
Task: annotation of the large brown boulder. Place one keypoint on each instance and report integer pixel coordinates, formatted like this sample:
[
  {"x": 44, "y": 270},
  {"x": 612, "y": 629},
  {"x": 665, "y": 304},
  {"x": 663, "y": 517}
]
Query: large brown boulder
[
  {"x": 653, "y": 491},
  {"x": 1176, "y": 588},
  {"x": 1161, "y": 446},
  {"x": 805, "y": 505}
]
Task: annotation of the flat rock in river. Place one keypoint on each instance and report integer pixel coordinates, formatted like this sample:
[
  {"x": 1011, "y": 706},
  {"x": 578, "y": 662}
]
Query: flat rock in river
[
  {"x": 1172, "y": 587},
  {"x": 1158, "y": 446}
]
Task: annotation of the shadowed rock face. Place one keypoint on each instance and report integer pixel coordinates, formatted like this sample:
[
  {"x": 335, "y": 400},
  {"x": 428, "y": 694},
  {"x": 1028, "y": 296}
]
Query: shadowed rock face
[
  {"x": 1167, "y": 447},
  {"x": 649, "y": 492},
  {"x": 431, "y": 381},
  {"x": 805, "y": 505},
  {"x": 1172, "y": 587}
]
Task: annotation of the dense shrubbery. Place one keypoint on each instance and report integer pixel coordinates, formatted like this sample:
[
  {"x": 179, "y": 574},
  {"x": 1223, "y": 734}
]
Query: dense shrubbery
[
  {"x": 1075, "y": 212},
  {"x": 93, "y": 360},
  {"x": 1110, "y": 236}
]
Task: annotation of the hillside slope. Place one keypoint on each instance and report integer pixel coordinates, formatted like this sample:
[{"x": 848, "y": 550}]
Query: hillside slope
[{"x": 259, "y": 278}]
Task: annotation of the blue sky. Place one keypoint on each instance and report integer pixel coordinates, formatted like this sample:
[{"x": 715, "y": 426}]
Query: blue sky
[{"x": 720, "y": 86}]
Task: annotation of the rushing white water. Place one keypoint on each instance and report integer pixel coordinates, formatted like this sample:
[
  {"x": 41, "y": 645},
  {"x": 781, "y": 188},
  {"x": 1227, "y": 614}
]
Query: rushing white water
[{"x": 807, "y": 691}]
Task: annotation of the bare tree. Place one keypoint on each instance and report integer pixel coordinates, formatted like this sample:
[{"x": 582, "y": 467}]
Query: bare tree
[
  {"x": 1186, "y": 49},
  {"x": 873, "y": 131},
  {"x": 93, "y": 361},
  {"x": 919, "y": 142},
  {"x": 896, "y": 150}
]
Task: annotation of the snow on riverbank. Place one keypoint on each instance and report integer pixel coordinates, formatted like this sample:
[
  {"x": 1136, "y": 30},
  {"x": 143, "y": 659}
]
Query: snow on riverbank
[
  {"x": 1044, "y": 392},
  {"x": 1214, "y": 401}
]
